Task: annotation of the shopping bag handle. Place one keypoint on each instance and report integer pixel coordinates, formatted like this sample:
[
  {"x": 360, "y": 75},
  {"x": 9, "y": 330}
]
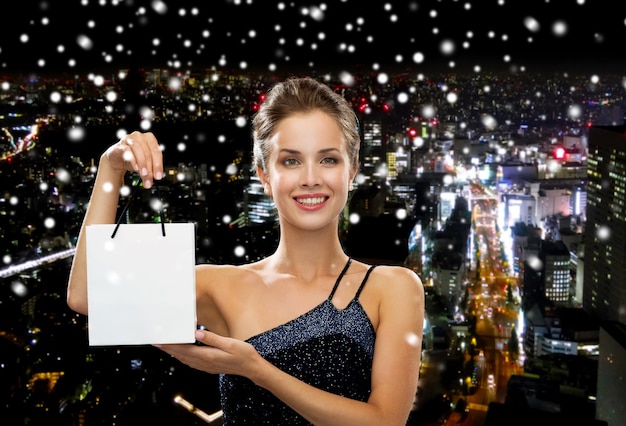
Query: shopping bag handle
[{"x": 130, "y": 199}]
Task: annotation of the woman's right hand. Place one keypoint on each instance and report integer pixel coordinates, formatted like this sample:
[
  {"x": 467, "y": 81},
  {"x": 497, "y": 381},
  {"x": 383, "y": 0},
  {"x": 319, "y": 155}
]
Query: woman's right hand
[{"x": 137, "y": 152}]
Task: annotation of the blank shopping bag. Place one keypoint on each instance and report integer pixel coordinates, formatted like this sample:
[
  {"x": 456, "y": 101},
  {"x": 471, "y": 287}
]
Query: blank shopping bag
[{"x": 141, "y": 283}]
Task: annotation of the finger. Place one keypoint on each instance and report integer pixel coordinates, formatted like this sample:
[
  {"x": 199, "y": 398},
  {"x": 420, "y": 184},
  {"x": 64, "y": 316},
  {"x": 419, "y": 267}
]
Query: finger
[
  {"x": 157, "y": 157},
  {"x": 203, "y": 336},
  {"x": 143, "y": 159},
  {"x": 153, "y": 158},
  {"x": 135, "y": 143},
  {"x": 215, "y": 341},
  {"x": 210, "y": 339},
  {"x": 190, "y": 355}
]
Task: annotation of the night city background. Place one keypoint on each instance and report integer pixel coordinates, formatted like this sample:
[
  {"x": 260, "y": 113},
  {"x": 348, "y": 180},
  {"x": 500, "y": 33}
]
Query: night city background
[{"x": 492, "y": 163}]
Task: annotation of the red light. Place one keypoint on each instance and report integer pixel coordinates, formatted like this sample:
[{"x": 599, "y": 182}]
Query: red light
[
  {"x": 412, "y": 132},
  {"x": 559, "y": 153}
]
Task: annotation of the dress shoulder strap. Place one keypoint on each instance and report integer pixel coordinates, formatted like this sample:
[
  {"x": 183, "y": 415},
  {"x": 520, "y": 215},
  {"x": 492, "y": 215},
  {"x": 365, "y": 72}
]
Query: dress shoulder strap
[
  {"x": 343, "y": 272},
  {"x": 367, "y": 274}
]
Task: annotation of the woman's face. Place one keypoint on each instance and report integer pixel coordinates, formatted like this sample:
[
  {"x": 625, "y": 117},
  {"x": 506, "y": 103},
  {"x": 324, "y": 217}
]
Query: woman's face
[{"x": 309, "y": 171}]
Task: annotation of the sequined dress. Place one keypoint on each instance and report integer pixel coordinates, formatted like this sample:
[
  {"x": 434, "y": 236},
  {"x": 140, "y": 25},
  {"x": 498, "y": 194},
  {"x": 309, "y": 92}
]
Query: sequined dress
[{"x": 329, "y": 348}]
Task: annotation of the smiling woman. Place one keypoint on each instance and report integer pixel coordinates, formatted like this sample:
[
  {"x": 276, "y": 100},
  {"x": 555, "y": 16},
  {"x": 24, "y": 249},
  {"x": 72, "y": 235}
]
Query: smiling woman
[{"x": 307, "y": 335}]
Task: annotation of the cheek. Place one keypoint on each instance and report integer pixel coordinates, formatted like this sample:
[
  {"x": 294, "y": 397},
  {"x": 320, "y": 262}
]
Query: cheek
[
  {"x": 281, "y": 182},
  {"x": 341, "y": 182}
]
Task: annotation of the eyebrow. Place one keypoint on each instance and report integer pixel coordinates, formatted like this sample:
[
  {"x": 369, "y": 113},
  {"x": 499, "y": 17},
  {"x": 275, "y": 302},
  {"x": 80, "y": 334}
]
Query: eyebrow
[{"x": 321, "y": 151}]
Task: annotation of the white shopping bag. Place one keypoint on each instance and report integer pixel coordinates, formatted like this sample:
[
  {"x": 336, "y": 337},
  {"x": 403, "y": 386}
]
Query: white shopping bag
[{"x": 141, "y": 283}]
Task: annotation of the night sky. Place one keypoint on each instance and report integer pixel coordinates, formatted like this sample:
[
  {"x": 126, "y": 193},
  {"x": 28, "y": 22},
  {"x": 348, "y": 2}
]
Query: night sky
[{"x": 84, "y": 36}]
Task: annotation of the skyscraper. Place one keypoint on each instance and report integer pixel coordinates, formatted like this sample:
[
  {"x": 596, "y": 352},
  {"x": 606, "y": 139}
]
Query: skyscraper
[{"x": 604, "y": 292}]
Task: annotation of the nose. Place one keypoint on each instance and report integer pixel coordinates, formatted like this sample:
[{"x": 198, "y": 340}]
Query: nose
[{"x": 310, "y": 176}]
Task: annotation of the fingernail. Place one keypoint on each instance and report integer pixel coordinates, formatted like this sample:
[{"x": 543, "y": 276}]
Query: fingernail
[
  {"x": 199, "y": 335},
  {"x": 144, "y": 172},
  {"x": 158, "y": 175},
  {"x": 147, "y": 184}
]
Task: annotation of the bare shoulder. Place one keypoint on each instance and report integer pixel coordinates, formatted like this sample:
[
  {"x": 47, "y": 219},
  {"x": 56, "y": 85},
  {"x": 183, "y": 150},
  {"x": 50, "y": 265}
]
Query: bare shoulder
[
  {"x": 397, "y": 278},
  {"x": 394, "y": 283},
  {"x": 398, "y": 288},
  {"x": 396, "y": 294},
  {"x": 213, "y": 274}
]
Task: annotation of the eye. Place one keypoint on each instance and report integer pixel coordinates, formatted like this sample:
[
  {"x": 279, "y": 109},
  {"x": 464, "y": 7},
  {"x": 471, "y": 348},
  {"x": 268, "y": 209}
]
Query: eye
[
  {"x": 290, "y": 162},
  {"x": 329, "y": 160}
]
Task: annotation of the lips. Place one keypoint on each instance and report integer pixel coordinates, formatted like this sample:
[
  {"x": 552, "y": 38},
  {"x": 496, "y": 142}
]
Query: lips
[{"x": 310, "y": 201}]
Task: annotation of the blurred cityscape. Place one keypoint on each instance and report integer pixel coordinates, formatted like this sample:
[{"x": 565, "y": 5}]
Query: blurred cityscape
[{"x": 504, "y": 192}]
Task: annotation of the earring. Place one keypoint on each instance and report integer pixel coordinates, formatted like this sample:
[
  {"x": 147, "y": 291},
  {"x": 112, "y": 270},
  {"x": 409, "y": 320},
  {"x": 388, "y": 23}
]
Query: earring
[{"x": 266, "y": 188}]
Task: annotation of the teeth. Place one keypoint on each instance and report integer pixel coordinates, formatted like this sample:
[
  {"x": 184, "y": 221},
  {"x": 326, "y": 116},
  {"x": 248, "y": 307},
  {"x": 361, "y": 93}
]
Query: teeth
[{"x": 311, "y": 201}]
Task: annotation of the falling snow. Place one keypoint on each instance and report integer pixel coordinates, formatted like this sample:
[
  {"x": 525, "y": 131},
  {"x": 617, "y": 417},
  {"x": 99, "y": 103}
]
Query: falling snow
[
  {"x": 90, "y": 35},
  {"x": 100, "y": 40}
]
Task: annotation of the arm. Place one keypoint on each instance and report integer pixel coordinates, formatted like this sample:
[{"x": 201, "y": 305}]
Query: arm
[
  {"x": 135, "y": 152},
  {"x": 394, "y": 374}
]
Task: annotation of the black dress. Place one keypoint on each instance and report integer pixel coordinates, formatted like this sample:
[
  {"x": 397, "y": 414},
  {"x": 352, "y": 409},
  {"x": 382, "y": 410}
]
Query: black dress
[{"x": 329, "y": 348}]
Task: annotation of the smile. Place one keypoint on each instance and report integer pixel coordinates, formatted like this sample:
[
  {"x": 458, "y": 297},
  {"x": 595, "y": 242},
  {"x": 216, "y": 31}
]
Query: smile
[{"x": 311, "y": 201}]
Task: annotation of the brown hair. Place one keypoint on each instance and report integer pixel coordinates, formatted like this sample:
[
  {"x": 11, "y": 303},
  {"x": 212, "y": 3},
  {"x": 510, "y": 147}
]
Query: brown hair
[{"x": 302, "y": 95}]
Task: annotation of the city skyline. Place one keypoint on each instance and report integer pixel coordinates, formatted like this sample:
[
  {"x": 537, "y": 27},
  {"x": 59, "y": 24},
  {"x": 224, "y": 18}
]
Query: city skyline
[
  {"x": 42, "y": 184},
  {"x": 84, "y": 39}
]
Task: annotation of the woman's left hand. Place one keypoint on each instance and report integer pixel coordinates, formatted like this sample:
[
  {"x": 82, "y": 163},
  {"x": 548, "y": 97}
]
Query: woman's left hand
[{"x": 219, "y": 355}]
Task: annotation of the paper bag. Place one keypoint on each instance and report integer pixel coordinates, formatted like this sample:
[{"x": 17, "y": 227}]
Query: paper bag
[{"x": 141, "y": 283}]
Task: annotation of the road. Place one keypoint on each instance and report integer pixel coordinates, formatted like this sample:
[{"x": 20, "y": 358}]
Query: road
[{"x": 497, "y": 312}]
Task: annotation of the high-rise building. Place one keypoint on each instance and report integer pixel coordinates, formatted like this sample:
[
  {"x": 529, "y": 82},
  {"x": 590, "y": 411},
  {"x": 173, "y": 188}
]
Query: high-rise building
[
  {"x": 519, "y": 208},
  {"x": 373, "y": 155},
  {"x": 604, "y": 292},
  {"x": 555, "y": 259},
  {"x": 611, "y": 405}
]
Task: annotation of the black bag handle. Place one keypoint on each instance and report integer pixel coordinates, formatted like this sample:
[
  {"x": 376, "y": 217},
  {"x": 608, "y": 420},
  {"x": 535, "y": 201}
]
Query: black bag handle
[{"x": 130, "y": 199}]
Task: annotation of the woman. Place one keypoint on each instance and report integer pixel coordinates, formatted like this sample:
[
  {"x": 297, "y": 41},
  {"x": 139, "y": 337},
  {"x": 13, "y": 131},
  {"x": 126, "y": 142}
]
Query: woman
[{"x": 306, "y": 335}]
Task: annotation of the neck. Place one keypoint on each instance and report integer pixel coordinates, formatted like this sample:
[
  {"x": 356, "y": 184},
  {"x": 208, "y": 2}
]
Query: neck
[{"x": 318, "y": 250}]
